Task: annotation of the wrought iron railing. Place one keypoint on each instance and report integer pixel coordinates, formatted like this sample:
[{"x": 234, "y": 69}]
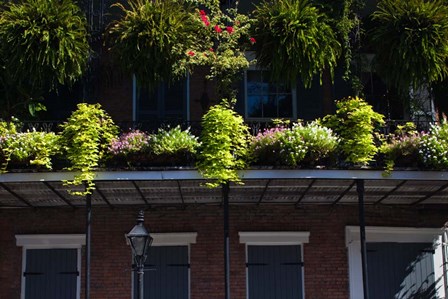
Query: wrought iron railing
[{"x": 195, "y": 126}]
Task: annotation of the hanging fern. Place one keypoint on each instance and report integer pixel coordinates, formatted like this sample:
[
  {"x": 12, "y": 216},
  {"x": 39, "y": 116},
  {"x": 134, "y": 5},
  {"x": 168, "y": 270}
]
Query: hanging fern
[
  {"x": 410, "y": 39},
  {"x": 43, "y": 43},
  {"x": 152, "y": 39},
  {"x": 294, "y": 40},
  {"x": 85, "y": 138}
]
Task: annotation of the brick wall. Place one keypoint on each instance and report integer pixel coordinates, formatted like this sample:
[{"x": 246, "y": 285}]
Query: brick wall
[{"x": 325, "y": 256}]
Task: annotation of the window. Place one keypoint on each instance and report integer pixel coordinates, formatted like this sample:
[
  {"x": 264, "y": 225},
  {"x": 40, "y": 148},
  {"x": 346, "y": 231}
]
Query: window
[
  {"x": 402, "y": 263},
  {"x": 265, "y": 99},
  {"x": 165, "y": 102},
  {"x": 167, "y": 268},
  {"x": 274, "y": 264},
  {"x": 51, "y": 266}
]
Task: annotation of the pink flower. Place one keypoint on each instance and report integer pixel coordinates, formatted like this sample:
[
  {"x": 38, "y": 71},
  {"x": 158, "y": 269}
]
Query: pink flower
[
  {"x": 202, "y": 12},
  {"x": 190, "y": 53},
  {"x": 229, "y": 29},
  {"x": 252, "y": 40},
  {"x": 211, "y": 50},
  {"x": 218, "y": 29}
]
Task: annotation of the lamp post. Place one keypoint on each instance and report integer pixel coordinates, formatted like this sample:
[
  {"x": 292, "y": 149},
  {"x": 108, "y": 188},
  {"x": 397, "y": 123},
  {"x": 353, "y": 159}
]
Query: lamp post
[{"x": 140, "y": 240}]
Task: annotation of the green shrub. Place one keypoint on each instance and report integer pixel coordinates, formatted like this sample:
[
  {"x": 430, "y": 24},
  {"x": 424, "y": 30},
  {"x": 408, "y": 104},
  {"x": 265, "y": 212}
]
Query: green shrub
[
  {"x": 434, "y": 147},
  {"x": 85, "y": 139},
  {"x": 294, "y": 40},
  {"x": 224, "y": 145},
  {"x": 319, "y": 141},
  {"x": 173, "y": 141},
  {"x": 402, "y": 147},
  {"x": 354, "y": 123},
  {"x": 30, "y": 148}
]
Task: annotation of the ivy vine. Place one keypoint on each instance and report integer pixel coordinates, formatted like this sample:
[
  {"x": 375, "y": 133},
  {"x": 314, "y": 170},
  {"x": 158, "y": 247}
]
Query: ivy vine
[
  {"x": 224, "y": 148},
  {"x": 85, "y": 139}
]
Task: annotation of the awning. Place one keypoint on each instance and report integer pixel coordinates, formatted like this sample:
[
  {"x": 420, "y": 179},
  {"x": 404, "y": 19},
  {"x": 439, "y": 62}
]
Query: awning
[{"x": 266, "y": 186}]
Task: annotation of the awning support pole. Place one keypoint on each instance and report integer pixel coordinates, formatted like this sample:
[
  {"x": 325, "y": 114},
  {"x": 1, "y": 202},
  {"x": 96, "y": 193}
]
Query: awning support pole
[
  {"x": 362, "y": 231},
  {"x": 88, "y": 234},
  {"x": 225, "y": 195}
]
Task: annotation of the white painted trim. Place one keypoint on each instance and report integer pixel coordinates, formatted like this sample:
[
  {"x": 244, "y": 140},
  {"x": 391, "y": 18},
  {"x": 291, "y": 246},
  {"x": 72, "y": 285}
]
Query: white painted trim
[
  {"x": 390, "y": 234},
  {"x": 173, "y": 239},
  {"x": 67, "y": 241},
  {"x": 51, "y": 241},
  {"x": 274, "y": 238},
  {"x": 250, "y": 174}
]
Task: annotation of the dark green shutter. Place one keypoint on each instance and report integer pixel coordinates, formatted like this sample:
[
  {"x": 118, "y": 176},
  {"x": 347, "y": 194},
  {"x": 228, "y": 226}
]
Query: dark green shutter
[
  {"x": 400, "y": 270},
  {"x": 51, "y": 274},
  {"x": 166, "y": 273},
  {"x": 275, "y": 272}
]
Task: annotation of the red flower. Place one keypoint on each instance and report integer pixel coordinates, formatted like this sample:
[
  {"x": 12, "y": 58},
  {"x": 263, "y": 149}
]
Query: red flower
[
  {"x": 211, "y": 50},
  {"x": 205, "y": 20},
  {"x": 252, "y": 40},
  {"x": 218, "y": 29},
  {"x": 229, "y": 29},
  {"x": 190, "y": 53},
  {"x": 202, "y": 12}
]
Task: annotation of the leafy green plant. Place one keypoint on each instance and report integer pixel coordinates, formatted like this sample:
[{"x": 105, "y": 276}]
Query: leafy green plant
[
  {"x": 410, "y": 38},
  {"x": 402, "y": 147},
  {"x": 85, "y": 139},
  {"x": 153, "y": 37},
  {"x": 224, "y": 145},
  {"x": 354, "y": 122},
  {"x": 29, "y": 148},
  {"x": 434, "y": 147},
  {"x": 174, "y": 140},
  {"x": 294, "y": 40},
  {"x": 320, "y": 141},
  {"x": 43, "y": 42},
  {"x": 301, "y": 144}
]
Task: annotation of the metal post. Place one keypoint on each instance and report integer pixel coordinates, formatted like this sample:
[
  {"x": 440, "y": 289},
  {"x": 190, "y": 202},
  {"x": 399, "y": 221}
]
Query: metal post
[
  {"x": 140, "y": 281},
  {"x": 225, "y": 195},
  {"x": 362, "y": 231},
  {"x": 88, "y": 234}
]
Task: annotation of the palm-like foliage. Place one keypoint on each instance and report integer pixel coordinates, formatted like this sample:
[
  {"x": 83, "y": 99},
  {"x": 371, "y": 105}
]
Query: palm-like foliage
[
  {"x": 294, "y": 40},
  {"x": 411, "y": 41},
  {"x": 153, "y": 38},
  {"x": 43, "y": 43}
]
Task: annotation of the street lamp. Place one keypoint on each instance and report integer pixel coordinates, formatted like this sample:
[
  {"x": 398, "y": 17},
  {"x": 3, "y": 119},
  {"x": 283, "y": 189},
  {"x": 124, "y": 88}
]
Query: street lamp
[{"x": 140, "y": 240}]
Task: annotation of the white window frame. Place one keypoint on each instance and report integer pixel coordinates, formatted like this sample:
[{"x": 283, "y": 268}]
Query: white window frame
[
  {"x": 172, "y": 239},
  {"x": 274, "y": 239},
  {"x": 377, "y": 234},
  {"x": 254, "y": 67},
  {"x": 57, "y": 241}
]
